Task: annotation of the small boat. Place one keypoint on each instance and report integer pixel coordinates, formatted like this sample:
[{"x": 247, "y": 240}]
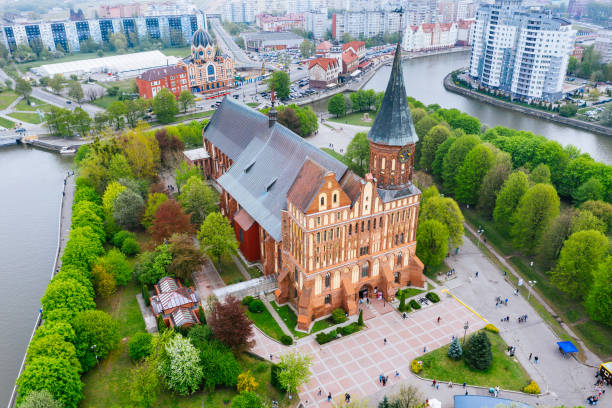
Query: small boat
[{"x": 67, "y": 150}]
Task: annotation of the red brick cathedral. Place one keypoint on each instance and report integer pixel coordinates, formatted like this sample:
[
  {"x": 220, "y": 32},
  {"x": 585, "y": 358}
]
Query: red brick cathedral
[{"x": 330, "y": 236}]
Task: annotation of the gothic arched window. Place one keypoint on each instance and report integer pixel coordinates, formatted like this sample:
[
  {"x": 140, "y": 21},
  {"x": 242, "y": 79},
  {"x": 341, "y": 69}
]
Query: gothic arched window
[{"x": 327, "y": 280}]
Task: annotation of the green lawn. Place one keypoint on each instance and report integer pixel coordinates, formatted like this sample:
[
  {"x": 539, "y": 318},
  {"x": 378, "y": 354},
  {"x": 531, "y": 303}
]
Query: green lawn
[
  {"x": 22, "y": 105},
  {"x": 333, "y": 153},
  {"x": 432, "y": 271},
  {"x": 26, "y": 117},
  {"x": 6, "y": 98},
  {"x": 5, "y": 123},
  {"x": 253, "y": 104},
  {"x": 266, "y": 324},
  {"x": 290, "y": 319},
  {"x": 105, "y": 101},
  {"x": 596, "y": 336},
  {"x": 504, "y": 371},
  {"x": 355, "y": 118},
  {"x": 229, "y": 270},
  {"x": 410, "y": 292}
]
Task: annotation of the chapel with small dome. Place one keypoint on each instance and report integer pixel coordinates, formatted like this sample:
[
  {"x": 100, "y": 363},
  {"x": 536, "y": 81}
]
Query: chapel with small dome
[{"x": 208, "y": 70}]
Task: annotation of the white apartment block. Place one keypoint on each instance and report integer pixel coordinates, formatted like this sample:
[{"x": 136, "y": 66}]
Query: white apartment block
[
  {"x": 522, "y": 52},
  {"x": 239, "y": 11},
  {"x": 603, "y": 45},
  {"x": 300, "y": 6},
  {"x": 68, "y": 35},
  {"x": 317, "y": 22},
  {"x": 430, "y": 37},
  {"x": 365, "y": 24}
]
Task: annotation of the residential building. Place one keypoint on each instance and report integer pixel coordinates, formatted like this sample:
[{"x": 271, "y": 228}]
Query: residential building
[
  {"x": 420, "y": 11},
  {"x": 578, "y": 52},
  {"x": 300, "y": 6},
  {"x": 317, "y": 23},
  {"x": 270, "y": 6},
  {"x": 330, "y": 237},
  {"x": 364, "y": 24},
  {"x": 577, "y": 8},
  {"x": 68, "y": 35},
  {"x": 208, "y": 70},
  {"x": 603, "y": 45},
  {"x": 350, "y": 61},
  {"x": 357, "y": 47},
  {"x": 522, "y": 52},
  {"x": 323, "y": 48},
  {"x": 465, "y": 32},
  {"x": 268, "y": 22},
  {"x": 430, "y": 37},
  {"x": 323, "y": 72},
  {"x": 173, "y": 78},
  {"x": 178, "y": 305},
  {"x": 239, "y": 11},
  {"x": 265, "y": 40}
]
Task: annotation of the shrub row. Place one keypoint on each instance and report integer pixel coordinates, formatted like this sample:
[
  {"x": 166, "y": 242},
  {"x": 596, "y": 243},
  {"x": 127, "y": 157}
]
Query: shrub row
[
  {"x": 433, "y": 297},
  {"x": 351, "y": 328}
]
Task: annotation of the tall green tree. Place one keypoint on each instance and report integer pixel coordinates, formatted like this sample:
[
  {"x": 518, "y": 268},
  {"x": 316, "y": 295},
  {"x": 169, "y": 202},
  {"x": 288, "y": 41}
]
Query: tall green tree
[
  {"x": 294, "y": 371},
  {"x": 116, "y": 113},
  {"x": 23, "y": 88},
  {"x": 153, "y": 202},
  {"x": 82, "y": 251},
  {"x": 197, "y": 199},
  {"x": 508, "y": 200},
  {"x": 144, "y": 384},
  {"x": 423, "y": 126},
  {"x": 186, "y": 99},
  {"x": 438, "y": 163},
  {"x": 454, "y": 159},
  {"x": 601, "y": 210},
  {"x": 598, "y": 302},
  {"x": 80, "y": 122},
  {"x": 96, "y": 334},
  {"x": 554, "y": 237},
  {"x": 585, "y": 220},
  {"x": 180, "y": 366},
  {"x": 358, "y": 154},
  {"x": 75, "y": 91},
  {"x": 127, "y": 209},
  {"x": 217, "y": 236},
  {"x": 165, "y": 106},
  {"x": 40, "y": 399},
  {"x": 493, "y": 182},
  {"x": 307, "y": 49},
  {"x": 336, "y": 105},
  {"x": 184, "y": 172},
  {"x": 477, "y": 352},
  {"x": 540, "y": 175},
  {"x": 592, "y": 189},
  {"x": 432, "y": 242},
  {"x": 536, "y": 210},
  {"x": 434, "y": 138},
  {"x": 279, "y": 82},
  {"x": 54, "y": 346},
  {"x": 446, "y": 211},
  {"x": 471, "y": 173}
]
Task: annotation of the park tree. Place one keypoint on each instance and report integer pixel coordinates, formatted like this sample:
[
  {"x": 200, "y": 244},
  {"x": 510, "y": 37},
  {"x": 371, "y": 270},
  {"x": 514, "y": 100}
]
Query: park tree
[
  {"x": 75, "y": 91},
  {"x": 140, "y": 346},
  {"x": 23, "y": 88},
  {"x": 170, "y": 146},
  {"x": 180, "y": 367},
  {"x": 81, "y": 250},
  {"x": 55, "y": 327},
  {"x": 116, "y": 114},
  {"x": 308, "y": 120},
  {"x": 184, "y": 172},
  {"x": 58, "y": 121},
  {"x": 151, "y": 266},
  {"x": 53, "y": 346},
  {"x": 169, "y": 219},
  {"x": 601, "y": 210},
  {"x": 592, "y": 189},
  {"x": 418, "y": 114},
  {"x": 279, "y": 82},
  {"x": 432, "y": 242},
  {"x": 186, "y": 258},
  {"x": 540, "y": 175},
  {"x": 230, "y": 325},
  {"x": 88, "y": 214},
  {"x": 408, "y": 396},
  {"x": 585, "y": 220},
  {"x": 582, "y": 253},
  {"x": 337, "y": 105},
  {"x": 477, "y": 352},
  {"x": 96, "y": 334},
  {"x": 104, "y": 282},
  {"x": 153, "y": 202},
  {"x": 598, "y": 301},
  {"x": 493, "y": 182},
  {"x": 197, "y": 199},
  {"x": 217, "y": 237},
  {"x": 219, "y": 365},
  {"x": 142, "y": 152},
  {"x": 247, "y": 399},
  {"x": 288, "y": 118},
  {"x": 111, "y": 192},
  {"x": 86, "y": 193},
  {"x": 119, "y": 168},
  {"x": 117, "y": 265},
  {"x": 186, "y": 100},
  {"x": 144, "y": 384},
  {"x": 127, "y": 209},
  {"x": 294, "y": 371},
  {"x": 554, "y": 237},
  {"x": 434, "y": 138},
  {"x": 508, "y": 199},
  {"x": 534, "y": 213},
  {"x": 246, "y": 382},
  {"x": 454, "y": 159},
  {"x": 471, "y": 173},
  {"x": 40, "y": 399},
  {"x": 165, "y": 106},
  {"x": 56, "y": 83},
  {"x": 55, "y": 375},
  {"x": 78, "y": 274},
  {"x": 80, "y": 122},
  {"x": 438, "y": 163},
  {"x": 307, "y": 49},
  {"x": 446, "y": 211},
  {"x": 423, "y": 126},
  {"x": 454, "y": 349},
  {"x": 358, "y": 154}
]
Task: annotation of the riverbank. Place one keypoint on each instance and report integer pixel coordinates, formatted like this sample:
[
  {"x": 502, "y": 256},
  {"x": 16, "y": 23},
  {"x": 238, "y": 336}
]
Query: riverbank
[
  {"x": 450, "y": 86},
  {"x": 63, "y": 231}
]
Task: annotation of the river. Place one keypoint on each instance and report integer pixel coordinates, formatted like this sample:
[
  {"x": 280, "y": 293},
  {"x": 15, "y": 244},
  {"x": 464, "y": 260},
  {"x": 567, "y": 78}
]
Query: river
[
  {"x": 423, "y": 80},
  {"x": 31, "y": 183}
]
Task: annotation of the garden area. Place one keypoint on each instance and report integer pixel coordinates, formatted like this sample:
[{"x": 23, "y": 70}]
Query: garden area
[
  {"x": 26, "y": 117},
  {"x": 35, "y": 104},
  {"x": 290, "y": 319},
  {"x": 6, "y": 98},
  {"x": 5, "y": 123},
  {"x": 480, "y": 361}
]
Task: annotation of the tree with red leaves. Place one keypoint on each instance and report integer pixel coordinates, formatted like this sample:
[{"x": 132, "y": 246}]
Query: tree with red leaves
[
  {"x": 169, "y": 219},
  {"x": 230, "y": 325},
  {"x": 170, "y": 146}
]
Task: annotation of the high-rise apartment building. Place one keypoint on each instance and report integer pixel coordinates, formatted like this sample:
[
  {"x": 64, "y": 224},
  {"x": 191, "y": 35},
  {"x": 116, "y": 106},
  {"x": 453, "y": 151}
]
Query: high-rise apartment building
[
  {"x": 239, "y": 11},
  {"x": 603, "y": 45},
  {"x": 365, "y": 24},
  {"x": 316, "y": 22},
  {"x": 300, "y": 6},
  {"x": 522, "y": 52}
]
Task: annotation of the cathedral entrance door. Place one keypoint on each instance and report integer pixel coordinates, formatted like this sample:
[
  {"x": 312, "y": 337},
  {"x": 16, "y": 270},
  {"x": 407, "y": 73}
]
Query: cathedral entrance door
[{"x": 363, "y": 292}]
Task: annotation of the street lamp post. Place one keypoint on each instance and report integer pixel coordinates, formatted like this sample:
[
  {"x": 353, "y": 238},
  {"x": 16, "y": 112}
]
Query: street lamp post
[
  {"x": 466, "y": 326},
  {"x": 531, "y": 284}
]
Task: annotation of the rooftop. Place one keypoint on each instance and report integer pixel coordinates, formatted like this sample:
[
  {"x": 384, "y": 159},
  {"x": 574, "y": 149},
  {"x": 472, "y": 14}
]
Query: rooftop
[
  {"x": 271, "y": 36},
  {"x": 159, "y": 73}
]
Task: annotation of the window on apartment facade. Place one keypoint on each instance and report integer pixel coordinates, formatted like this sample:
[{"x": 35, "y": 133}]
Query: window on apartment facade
[
  {"x": 327, "y": 299},
  {"x": 327, "y": 280},
  {"x": 365, "y": 270},
  {"x": 398, "y": 259}
]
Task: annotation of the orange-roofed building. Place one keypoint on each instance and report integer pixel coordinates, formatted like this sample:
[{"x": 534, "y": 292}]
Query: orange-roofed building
[
  {"x": 323, "y": 72},
  {"x": 350, "y": 61},
  {"x": 358, "y": 47}
]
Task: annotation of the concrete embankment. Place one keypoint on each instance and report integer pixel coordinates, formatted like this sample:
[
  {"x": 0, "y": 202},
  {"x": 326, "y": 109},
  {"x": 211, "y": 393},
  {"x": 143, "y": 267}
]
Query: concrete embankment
[{"x": 449, "y": 85}]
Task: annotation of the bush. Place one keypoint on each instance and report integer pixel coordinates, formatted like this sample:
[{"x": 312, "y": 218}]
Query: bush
[
  {"x": 432, "y": 296},
  {"x": 323, "y": 338},
  {"x": 491, "y": 328},
  {"x": 161, "y": 325},
  {"x": 130, "y": 246},
  {"x": 416, "y": 366},
  {"x": 274, "y": 372},
  {"x": 339, "y": 316},
  {"x": 201, "y": 315},
  {"x": 246, "y": 300},
  {"x": 256, "y": 306},
  {"x": 414, "y": 304},
  {"x": 360, "y": 319},
  {"x": 532, "y": 388},
  {"x": 286, "y": 340},
  {"x": 140, "y": 346},
  {"x": 349, "y": 329},
  {"x": 120, "y": 237},
  {"x": 144, "y": 290},
  {"x": 477, "y": 353}
]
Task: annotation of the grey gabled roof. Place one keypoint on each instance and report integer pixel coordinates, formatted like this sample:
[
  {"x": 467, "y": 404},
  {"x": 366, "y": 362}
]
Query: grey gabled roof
[
  {"x": 261, "y": 177},
  {"x": 393, "y": 124},
  {"x": 391, "y": 195},
  {"x": 234, "y": 125}
]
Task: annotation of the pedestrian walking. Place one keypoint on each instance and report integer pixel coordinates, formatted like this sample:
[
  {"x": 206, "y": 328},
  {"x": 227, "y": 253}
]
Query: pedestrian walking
[
  {"x": 385, "y": 341},
  {"x": 506, "y": 301},
  {"x": 535, "y": 359},
  {"x": 329, "y": 397},
  {"x": 464, "y": 385},
  {"x": 437, "y": 386},
  {"x": 477, "y": 274},
  {"x": 450, "y": 384},
  {"x": 404, "y": 316},
  {"x": 425, "y": 349},
  {"x": 433, "y": 384},
  {"x": 438, "y": 319},
  {"x": 396, "y": 374},
  {"x": 270, "y": 357},
  {"x": 530, "y": 354},
  {"x": 525, "y": 317}
]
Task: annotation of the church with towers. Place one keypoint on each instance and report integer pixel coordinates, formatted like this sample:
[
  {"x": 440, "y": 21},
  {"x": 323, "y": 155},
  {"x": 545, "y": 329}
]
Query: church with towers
[{"x": 327, "y": 235}]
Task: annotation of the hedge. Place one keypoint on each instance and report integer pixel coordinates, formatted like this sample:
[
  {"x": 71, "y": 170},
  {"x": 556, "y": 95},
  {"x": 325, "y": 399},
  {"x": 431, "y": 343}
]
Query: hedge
[
  {"x": 414, "y": 304},
  {"x": 286, "y": 340},
  {"x": 432, "y": 296}
]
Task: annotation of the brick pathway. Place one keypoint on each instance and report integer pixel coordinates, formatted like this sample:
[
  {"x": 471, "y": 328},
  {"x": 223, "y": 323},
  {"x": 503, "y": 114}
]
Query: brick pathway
[
  {"x": 207, "y": 279},
  {"x": 353, "y": 364}
]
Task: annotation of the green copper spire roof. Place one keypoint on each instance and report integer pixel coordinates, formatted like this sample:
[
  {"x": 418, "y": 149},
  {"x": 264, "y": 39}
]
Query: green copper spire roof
[{"x": 393, "y": 125}]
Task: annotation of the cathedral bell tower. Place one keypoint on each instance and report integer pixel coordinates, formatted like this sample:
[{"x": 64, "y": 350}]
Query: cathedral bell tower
[{"x": 392, "y": 136}]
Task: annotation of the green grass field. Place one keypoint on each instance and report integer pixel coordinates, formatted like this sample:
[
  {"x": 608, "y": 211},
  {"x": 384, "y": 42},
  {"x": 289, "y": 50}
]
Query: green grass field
[
  {"x": 266, "y": 324},
  {"x": 22, "y": 105},
  {"x": 504, "y": 371},
  {"x": 290, "y": 319},
  {"x": 6, "y": 98},
  {"x": 5, "y": 123},
  {"x": 355, "y": 118},
  {"x": 26, "y": 117},
  {"x": 229, "y": 270}
]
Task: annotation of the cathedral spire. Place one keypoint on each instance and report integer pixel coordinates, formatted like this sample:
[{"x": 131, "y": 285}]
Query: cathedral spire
[{"x": 393, "y": 125}]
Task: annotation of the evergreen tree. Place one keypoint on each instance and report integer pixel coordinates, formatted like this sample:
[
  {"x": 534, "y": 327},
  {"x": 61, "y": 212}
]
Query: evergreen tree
[
  {"x": 384, "y": 403},
  {"x": 477, "y": 353},
  {"x": 360, "y": 319},
  {"x": 454, "y": 350}
]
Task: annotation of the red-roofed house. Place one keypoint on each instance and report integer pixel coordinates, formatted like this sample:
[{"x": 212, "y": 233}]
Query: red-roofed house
[
  {"x": 173, "y": 78},
  {"x": 429, "y": 37},
  {"x": 464, "y": 32},
  {"x": 358, "y": 47},
  {"x": 178, "y": 305},
  {"x": 323, "y": 48},
  {"x": 323, "y": 72},
  {"x": 350, "y": 61}
]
